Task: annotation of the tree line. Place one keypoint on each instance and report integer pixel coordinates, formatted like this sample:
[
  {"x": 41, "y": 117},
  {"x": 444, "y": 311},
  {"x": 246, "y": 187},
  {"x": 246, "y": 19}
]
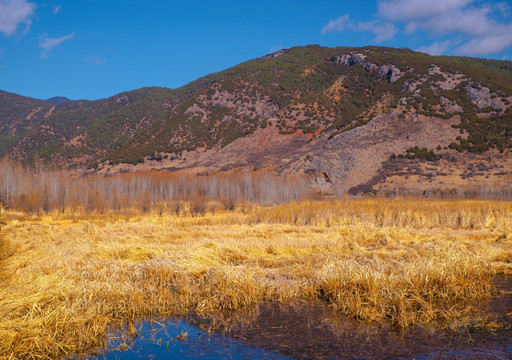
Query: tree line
[{"x": 38, "y": 190}]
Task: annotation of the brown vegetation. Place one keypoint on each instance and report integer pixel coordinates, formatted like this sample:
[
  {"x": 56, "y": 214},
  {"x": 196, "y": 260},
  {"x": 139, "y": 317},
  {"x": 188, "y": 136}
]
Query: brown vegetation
[
  {"x": 42, "y": 191},
  {"x": 68, "y": 280},
  {"x": 81, "y": 257}
]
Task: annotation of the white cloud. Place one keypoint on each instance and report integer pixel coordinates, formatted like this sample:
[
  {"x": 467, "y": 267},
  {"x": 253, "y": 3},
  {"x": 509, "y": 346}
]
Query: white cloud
[
  {"x": 95, "y": 59},
  {"x": 385, "y": 31},
  {"x": 363, "y": 26},
  {"x": 476, "y": 22},
  {"x": 475, "y": 27},
  {"x": 437, "y": 48},
  {"x": 382, "y": 30},
  {"x": 438, "y": 16},
  {"x": 484, "y": 45},
  {"x": 336, "y": 25},
  {"x": 13, "y": 13},
  {"x": 409, "y": 10},
  {"x": 56, "y": 9},
  {"x": 503, "y": 9},
  {"x": 469, "y": 22},
  {"x": 48, "y": 43},
  {"x": 411, "y": 28}
]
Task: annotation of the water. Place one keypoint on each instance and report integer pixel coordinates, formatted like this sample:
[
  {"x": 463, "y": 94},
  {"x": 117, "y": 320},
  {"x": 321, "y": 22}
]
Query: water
[
  {"x": 177, "y": 339},
  {"x": 311, "y": 330}
]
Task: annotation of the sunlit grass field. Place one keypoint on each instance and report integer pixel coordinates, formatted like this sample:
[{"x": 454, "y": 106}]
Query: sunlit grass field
[{"x": 68, "y": 279}]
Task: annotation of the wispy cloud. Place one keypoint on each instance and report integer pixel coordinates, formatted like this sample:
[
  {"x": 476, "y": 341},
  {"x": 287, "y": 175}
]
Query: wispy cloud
[
  {"x": 479, "y": 26},
  {"x": 13, "y": 13},
  {"x": 477, "y": 22},
  {"x": 56, "y": 9},
  {"x": 48, "y": 43},
  {"x": 338, "y": 24},
  {"x": 437, "y": 48},
  {"x": 413, "y": 10},
  {"x": 382, "y": 30},
  {"x": 504, "y": 9},
  {"x": 488, "y": 44},
  {"x": 95, "y": 59}
]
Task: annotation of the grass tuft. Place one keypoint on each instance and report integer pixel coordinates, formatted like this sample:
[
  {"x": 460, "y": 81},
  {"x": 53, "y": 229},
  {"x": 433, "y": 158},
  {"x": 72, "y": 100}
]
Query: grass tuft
[{"x": 70, "y": 280}]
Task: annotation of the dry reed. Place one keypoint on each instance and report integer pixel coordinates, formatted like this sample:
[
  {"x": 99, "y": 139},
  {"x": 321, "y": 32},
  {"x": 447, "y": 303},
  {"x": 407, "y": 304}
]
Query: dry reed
[{"x": 67, "y": 280}]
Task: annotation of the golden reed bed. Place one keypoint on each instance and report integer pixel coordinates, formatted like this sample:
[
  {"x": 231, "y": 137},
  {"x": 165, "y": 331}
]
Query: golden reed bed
[{"x": 66, "y": 280}]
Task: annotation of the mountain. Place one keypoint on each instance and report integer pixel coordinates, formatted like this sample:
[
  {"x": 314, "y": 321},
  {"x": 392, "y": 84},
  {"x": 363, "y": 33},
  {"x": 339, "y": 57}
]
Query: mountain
[
  {"x": 369, "y": 119},
  {"x": 57, "y": 100},
  {"x": 19, "y": 114}
]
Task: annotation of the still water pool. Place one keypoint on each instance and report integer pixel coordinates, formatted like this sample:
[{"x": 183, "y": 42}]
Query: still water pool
[
  {"x": 182, "y": 340},
  {"x": 311, "y": 330}
]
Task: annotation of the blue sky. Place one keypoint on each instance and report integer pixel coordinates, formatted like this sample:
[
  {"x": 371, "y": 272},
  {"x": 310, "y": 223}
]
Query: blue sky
[{"x": 93, "y": 49}]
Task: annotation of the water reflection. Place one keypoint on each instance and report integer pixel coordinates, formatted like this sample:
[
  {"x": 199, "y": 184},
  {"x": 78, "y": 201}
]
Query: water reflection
[
  {"x": 180, "y": 340},
  {"x": 310, "y": 330}
]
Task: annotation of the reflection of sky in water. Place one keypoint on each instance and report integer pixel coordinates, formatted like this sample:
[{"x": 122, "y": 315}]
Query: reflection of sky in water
[
  {"x": 154, "y": 342},
  {"x": 312, "y": 330}
]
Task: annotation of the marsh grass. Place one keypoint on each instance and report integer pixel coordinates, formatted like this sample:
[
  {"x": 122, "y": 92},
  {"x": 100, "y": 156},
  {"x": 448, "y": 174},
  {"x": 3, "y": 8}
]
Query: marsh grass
[{"x": 67, "y": 280}]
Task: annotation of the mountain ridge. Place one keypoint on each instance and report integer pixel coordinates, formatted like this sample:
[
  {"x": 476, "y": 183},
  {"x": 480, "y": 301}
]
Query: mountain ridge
[
  {"x": 338, "y": 115},
  {"x": 56, "y": 100}
]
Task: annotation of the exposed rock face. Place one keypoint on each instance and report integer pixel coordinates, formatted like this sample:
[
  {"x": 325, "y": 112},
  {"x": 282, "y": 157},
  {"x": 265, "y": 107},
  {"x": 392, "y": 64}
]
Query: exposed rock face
[
  {"x": 411, "y": 86},
  {"x": 389, "y": 71},
  {"x": 450, "y": 106},
  {"x": 482, "y": 98},
  {"x": 349, "y": 59},
  {"x": 276, "y": 54},
  {"x": 122, "y": 98},
  {"x": 357, "y": 154},
  {"x": 433, "y": 69}
]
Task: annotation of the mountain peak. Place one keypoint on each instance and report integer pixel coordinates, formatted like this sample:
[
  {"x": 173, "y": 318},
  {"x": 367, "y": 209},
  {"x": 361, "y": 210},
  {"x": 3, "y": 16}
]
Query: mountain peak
[{"x": 57, "y": 100}]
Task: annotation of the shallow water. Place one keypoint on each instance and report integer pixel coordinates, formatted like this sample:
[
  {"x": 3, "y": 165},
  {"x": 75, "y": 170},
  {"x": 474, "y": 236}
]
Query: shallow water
[
  {"x": 160, "y": 341},
  {"x": 311, "y": 330}
]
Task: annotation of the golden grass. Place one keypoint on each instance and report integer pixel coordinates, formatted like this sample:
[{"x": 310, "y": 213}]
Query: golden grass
[{"x": 66, "y": 281}]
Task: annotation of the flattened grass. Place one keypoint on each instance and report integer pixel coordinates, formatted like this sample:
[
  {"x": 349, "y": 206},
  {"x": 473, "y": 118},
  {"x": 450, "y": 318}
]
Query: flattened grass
[{"x": 67, "y": 281}]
